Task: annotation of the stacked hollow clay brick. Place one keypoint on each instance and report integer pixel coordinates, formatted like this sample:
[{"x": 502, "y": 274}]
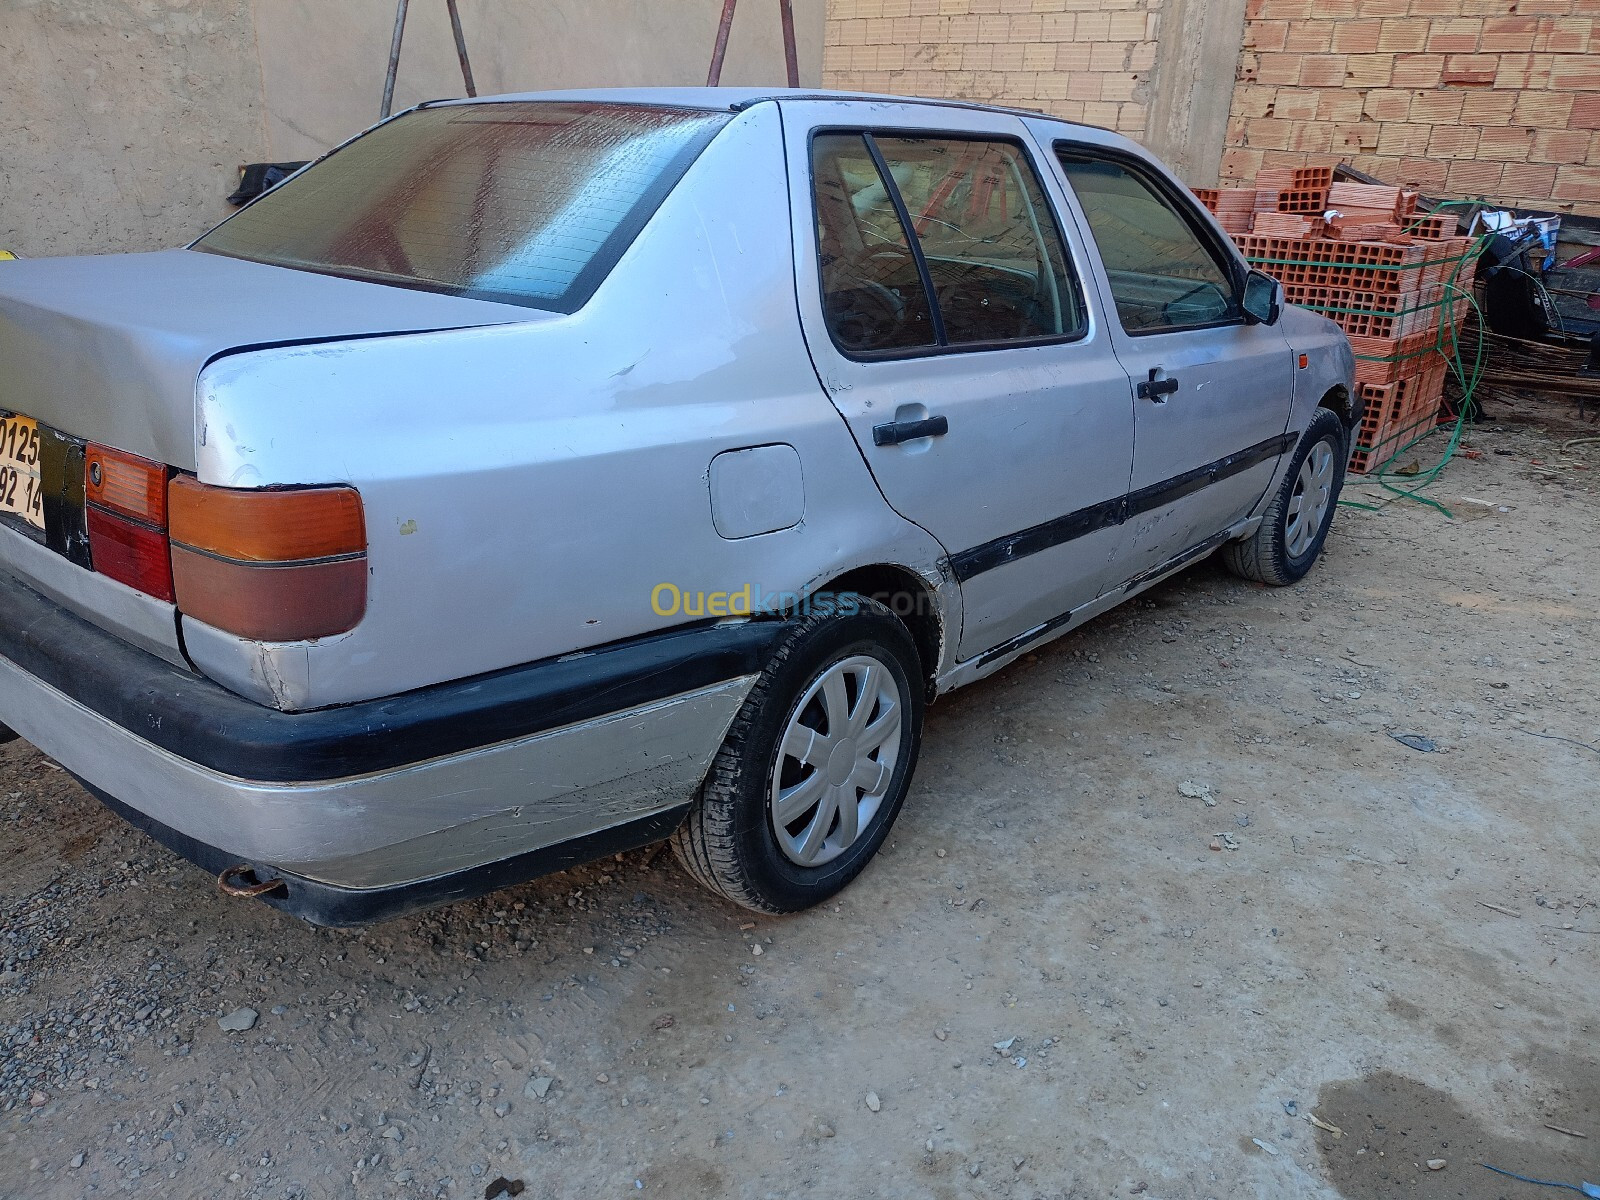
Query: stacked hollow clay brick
[{"x": 1362, "y": 256}]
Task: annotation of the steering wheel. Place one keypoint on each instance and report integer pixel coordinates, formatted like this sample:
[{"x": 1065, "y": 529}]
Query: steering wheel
[
  {"x": 866, "y": 315},
  {"x": 1175, "y": 304},
  {"x": 972, "y": 303}
]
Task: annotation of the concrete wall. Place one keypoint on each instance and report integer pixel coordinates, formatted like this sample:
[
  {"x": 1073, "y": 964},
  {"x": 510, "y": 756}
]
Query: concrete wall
[{"x": 123, "y": 122}]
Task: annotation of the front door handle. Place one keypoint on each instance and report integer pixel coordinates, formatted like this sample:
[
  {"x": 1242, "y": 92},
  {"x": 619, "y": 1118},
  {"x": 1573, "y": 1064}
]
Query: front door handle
[
  {"x": 1154, "y": 389},
  {"x": 896, "y": 432}
]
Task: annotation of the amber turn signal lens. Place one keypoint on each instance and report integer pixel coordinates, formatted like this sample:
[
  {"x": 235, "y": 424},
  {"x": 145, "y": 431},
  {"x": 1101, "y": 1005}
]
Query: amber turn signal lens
[
  {"x": 126, "y": 484},
  {"x": 255, "y": 525},
  {"x": 274, "y": 566},
  {"x": 126, "y": 511}
]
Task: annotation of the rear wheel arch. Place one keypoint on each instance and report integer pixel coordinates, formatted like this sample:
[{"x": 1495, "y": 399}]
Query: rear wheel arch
[{"x": 908, "y": 597}]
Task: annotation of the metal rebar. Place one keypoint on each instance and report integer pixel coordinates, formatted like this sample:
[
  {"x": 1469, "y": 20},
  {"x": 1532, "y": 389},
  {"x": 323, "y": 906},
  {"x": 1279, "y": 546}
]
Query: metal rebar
[
  {"x": 394, "y": 58},
  {"x": 461, "y": 46},
  {"x": 720, "y": 50},
  {"x": 791, "y": 57}
]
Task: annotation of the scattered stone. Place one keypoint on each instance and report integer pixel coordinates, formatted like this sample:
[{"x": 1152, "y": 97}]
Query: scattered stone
[
  {"x": 538, "y": 1087},
  {"x": 1267, "y": 1146},
  {"x": 1437, "y": 1164},
  {"x": 1198, "y": 791},
  {"x": 974, "y": 1170},
  {"x": 757, "y": 950},
  {"x": 38, "y": 1100},
  {"x": 824, "y": 1129},
  {"x": 240, "y": 1020},
  {"x": 873, "y": 1102},
  {"x": 665, "y": 1021},
  {"x": 941, "y": 1034},
  {"x": 77, "y": 1160},
  {"x": 502, "y": 1186},
  {"x": 602, "y": 1078},
  {"x": 1002, "y": 1047},
  {"x": 392, "y": 1133},
  {"x": 1416, "y": 741}
]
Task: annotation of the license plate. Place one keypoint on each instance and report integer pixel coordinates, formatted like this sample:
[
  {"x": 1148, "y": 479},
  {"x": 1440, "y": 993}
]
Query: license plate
[{"x": 21, "y": 494}]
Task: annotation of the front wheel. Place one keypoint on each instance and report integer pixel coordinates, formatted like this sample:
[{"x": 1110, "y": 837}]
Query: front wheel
[
  {"x": 817, "y": 764},
  {"x": 1296, "y": 522}
]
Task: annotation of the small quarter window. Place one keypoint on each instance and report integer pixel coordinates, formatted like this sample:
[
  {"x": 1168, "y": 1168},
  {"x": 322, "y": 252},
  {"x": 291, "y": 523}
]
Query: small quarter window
[
  {"x": 872, "y": 293},
  {"x": 1163, "y": 276}
]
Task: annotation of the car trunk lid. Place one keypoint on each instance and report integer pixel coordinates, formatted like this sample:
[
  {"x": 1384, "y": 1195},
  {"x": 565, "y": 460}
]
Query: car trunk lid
[{"x": 108, "y": 347}]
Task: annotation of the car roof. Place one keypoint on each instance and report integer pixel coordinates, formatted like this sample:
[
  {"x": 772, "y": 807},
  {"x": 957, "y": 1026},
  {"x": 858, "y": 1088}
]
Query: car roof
[{"x": 734, "y": 99}]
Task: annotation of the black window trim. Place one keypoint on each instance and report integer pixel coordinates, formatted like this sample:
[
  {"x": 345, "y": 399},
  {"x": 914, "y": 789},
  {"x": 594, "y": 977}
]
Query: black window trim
[
  {"x": 587, "y": 281},
  {"x": 1182, "y": 204},
  {"x": 868, "y": 134}
]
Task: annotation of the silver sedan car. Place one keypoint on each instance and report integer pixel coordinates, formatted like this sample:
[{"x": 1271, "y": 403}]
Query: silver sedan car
[{"x": 537, "y": 477}]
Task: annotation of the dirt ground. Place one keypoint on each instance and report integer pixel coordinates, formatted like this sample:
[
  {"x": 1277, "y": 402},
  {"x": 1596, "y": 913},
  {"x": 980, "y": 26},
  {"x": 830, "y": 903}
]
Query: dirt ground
[{"x": 1052, "y": 983}]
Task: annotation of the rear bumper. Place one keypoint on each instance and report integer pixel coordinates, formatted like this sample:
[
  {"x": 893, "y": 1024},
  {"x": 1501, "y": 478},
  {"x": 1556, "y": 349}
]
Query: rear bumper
[{"x": 400, "y": 793}]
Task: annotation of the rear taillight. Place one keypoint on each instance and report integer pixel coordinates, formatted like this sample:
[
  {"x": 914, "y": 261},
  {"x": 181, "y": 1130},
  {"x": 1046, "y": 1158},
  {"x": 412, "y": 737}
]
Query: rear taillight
[
  {"x": 126, "y": 501},
  {"x": 276, "y": 566}
]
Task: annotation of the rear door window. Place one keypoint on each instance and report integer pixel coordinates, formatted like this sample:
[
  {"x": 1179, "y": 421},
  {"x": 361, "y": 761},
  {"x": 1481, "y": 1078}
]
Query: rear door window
[
  {"x": 521, "y": 202},
  {"x": 930, "y": 242}
]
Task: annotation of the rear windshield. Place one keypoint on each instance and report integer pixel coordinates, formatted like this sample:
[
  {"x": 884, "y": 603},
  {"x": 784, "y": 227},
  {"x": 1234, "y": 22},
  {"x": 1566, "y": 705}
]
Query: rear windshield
[{"x": 523, "y": 202}]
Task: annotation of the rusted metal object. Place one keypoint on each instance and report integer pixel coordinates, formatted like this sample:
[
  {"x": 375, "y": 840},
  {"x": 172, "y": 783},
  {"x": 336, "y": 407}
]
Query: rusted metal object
[
  {"x": 394, "y": 58},
  {"x": 402, "y": 10},
  {"x": 719, "y": 51},
  {"x": 791, "y": 57},
  {"x": 461, "y": 47},
  {"x": 241, "y": 881}
]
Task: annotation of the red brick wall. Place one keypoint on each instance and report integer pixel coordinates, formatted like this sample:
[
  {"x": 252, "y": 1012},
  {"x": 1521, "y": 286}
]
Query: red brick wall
[{"x": 1491, "y": 98}]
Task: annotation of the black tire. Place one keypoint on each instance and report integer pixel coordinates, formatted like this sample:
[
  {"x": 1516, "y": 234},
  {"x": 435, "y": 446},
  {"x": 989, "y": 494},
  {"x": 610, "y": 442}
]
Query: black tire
[
  {"x": 728, "y": 841},
  {"x": 1266, "y": 556},
  {"x": 7, "y": 734}
]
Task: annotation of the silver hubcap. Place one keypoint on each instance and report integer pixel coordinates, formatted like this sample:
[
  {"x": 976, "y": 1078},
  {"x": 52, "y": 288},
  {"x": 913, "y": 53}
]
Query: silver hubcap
[
  {"x": 1313, "y": 496},
  {"x": 835, "y": 761}
]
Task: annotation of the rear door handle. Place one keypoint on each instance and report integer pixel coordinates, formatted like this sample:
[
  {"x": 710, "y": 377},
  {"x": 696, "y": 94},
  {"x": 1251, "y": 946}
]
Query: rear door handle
[
  {"x": 1154, "y": 389},
  {"x": 896, "y": 432}
]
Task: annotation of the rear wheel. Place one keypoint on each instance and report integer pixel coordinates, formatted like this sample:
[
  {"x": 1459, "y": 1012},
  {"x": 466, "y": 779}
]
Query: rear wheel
[
  {"x": 817, "y": 763},
  {"x": 1296, "y": 522}
]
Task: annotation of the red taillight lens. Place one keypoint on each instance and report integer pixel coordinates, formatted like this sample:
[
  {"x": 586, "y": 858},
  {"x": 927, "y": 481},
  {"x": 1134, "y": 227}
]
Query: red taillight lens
[
  {"x": 277, "y": 566},
  {"x": 127, "y": 514}
]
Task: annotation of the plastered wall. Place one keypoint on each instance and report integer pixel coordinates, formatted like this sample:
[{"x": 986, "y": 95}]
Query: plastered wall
[{"x": 123, "y": 122}]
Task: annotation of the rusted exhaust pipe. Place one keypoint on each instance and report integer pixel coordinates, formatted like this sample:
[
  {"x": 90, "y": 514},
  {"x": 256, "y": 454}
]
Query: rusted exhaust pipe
[{"x": 241, "y": 881}]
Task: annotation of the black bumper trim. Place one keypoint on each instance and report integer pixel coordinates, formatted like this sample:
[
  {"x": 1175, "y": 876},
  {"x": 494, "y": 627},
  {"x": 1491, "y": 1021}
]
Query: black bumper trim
[
  {"x": 208, "y": 725},
  {"x": 343, "y": 908}
]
